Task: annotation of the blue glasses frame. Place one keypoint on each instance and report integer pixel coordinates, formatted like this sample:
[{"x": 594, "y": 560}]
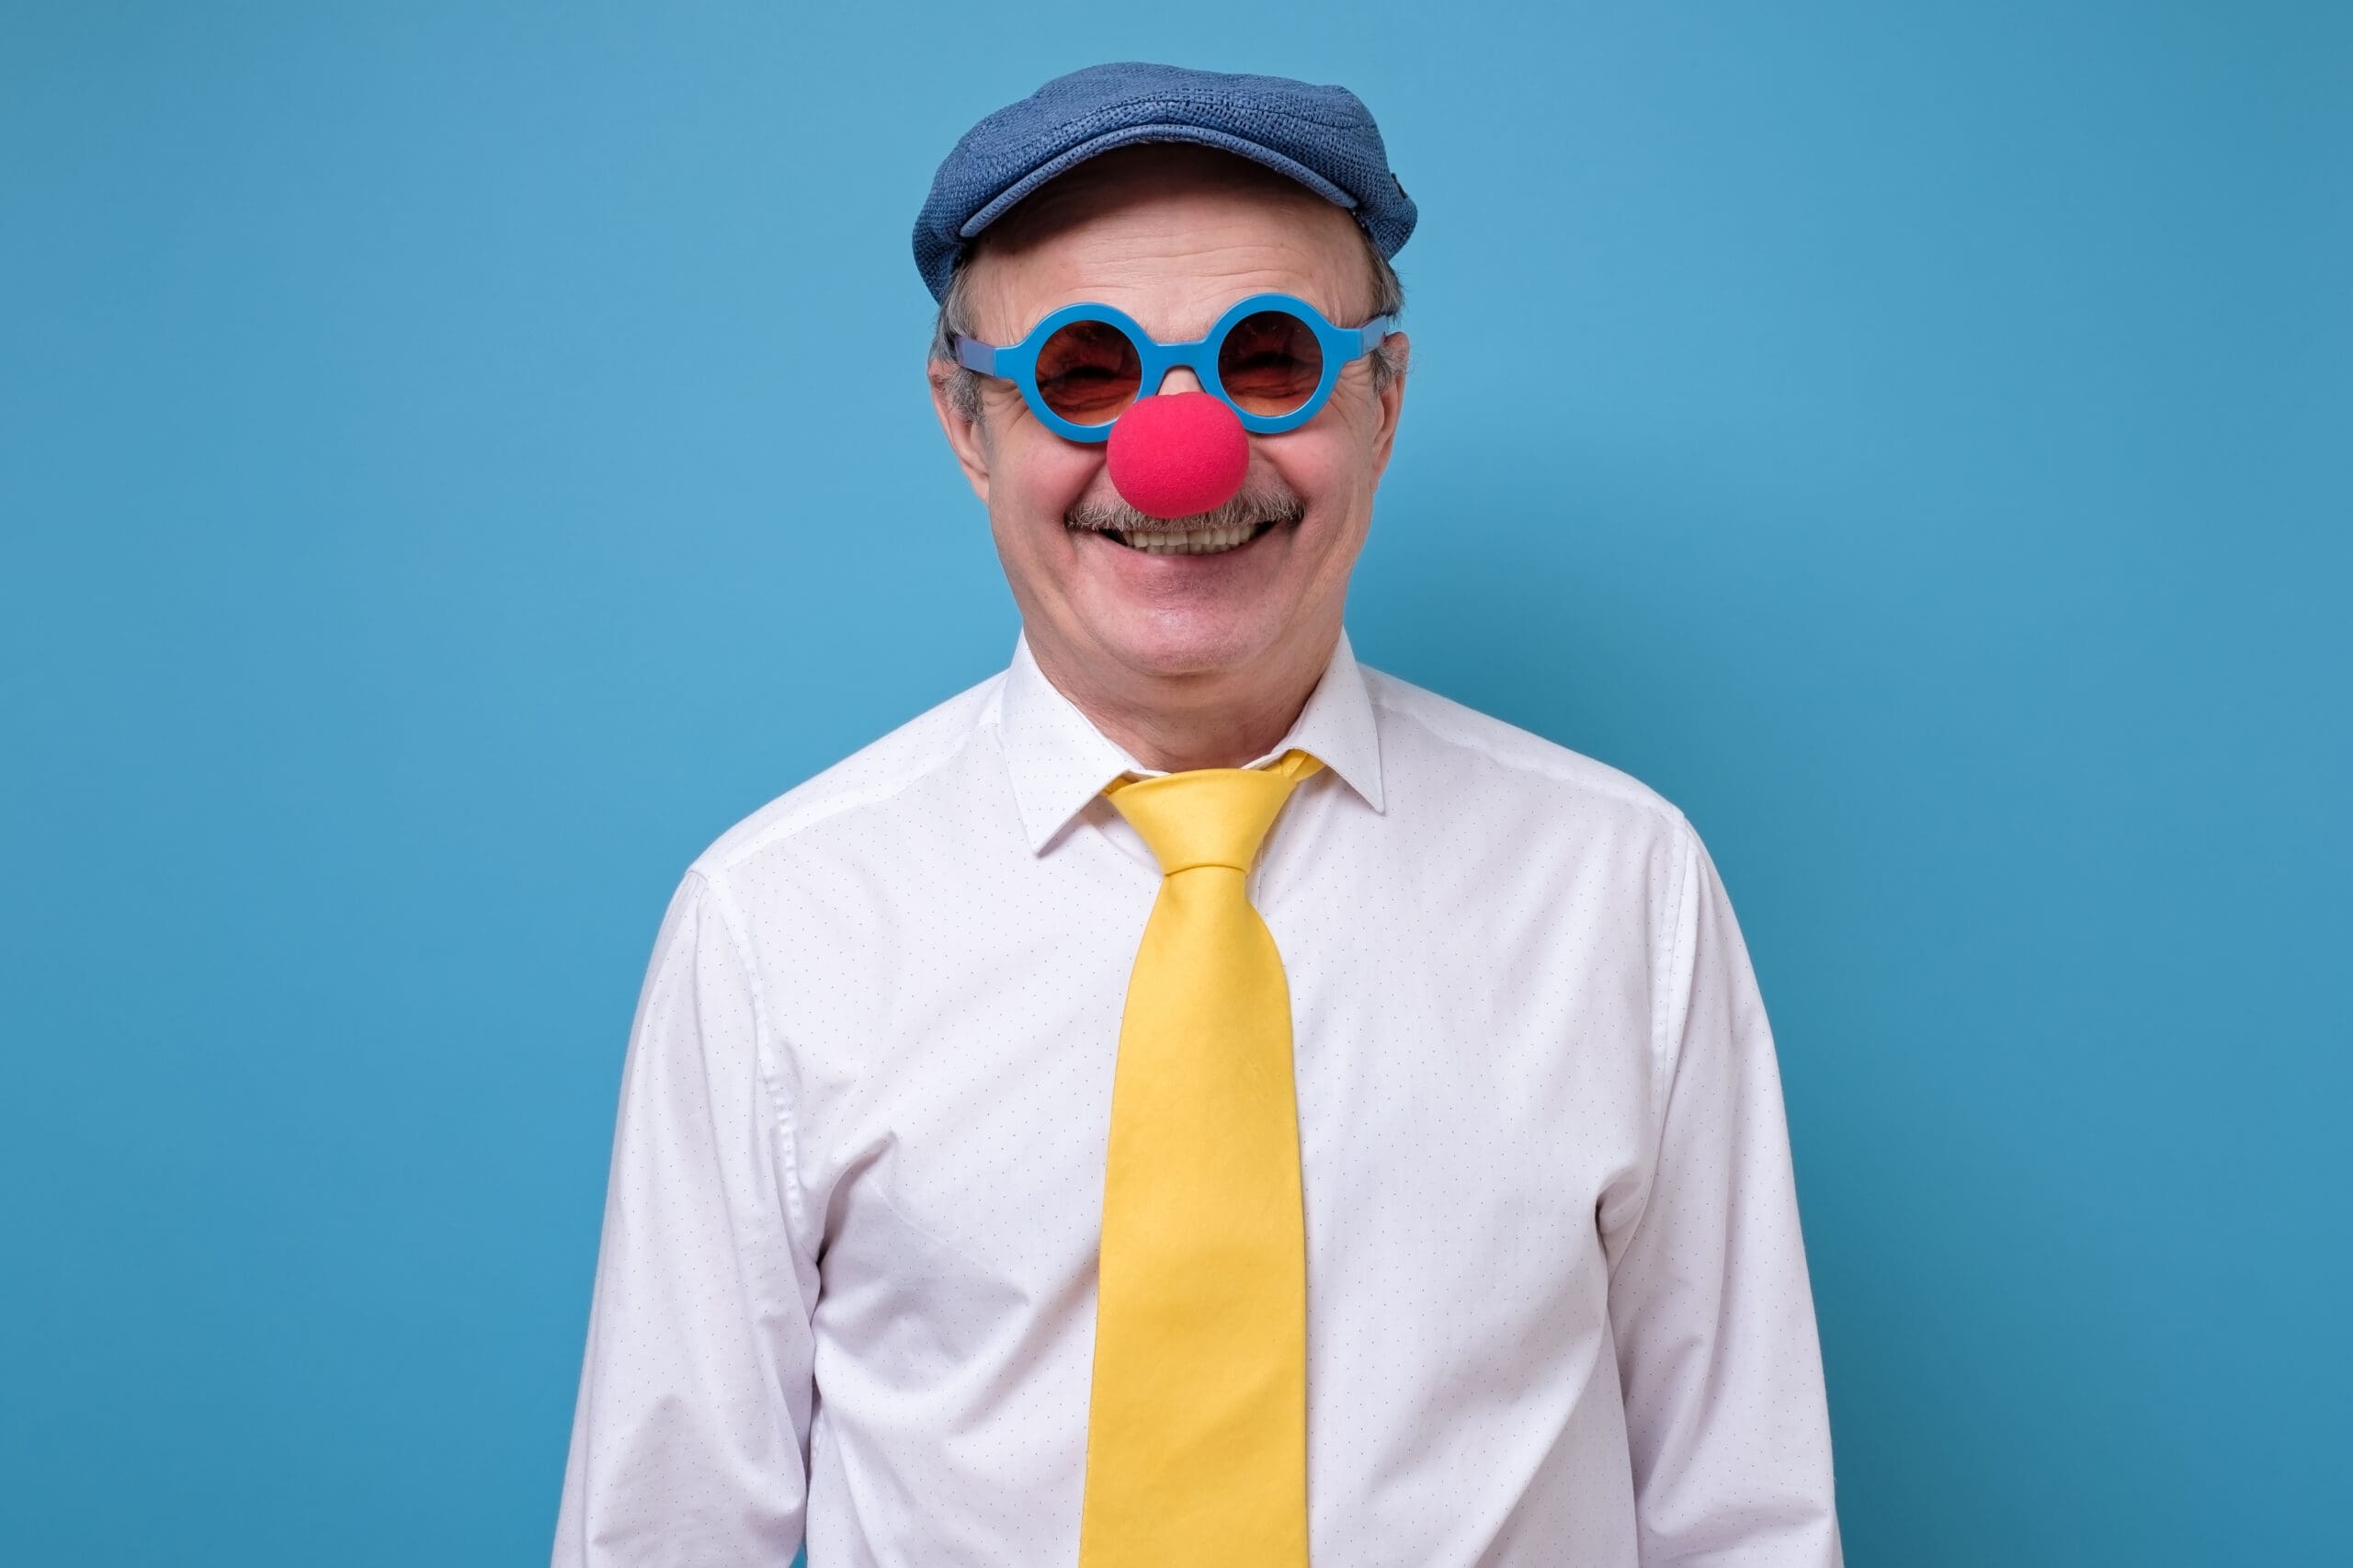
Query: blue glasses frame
[{"x": 1017, "y": 362}]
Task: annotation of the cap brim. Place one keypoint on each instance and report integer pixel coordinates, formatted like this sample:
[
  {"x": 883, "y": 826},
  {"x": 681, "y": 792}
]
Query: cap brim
[{"x": 1132, "y": 135}]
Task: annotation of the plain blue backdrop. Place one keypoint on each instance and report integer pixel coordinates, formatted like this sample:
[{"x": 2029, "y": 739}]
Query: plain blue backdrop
[{"x": 456, "y": 459}]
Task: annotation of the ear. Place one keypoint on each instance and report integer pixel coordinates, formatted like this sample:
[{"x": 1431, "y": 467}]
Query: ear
[
  {"x": 967, "y": 436},
  {"x": 1399, "y": 348}
]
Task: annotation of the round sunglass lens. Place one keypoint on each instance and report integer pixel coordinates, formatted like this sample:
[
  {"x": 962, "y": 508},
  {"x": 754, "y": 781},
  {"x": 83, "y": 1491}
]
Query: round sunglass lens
[
  {"x": 1089, "y": 371},
  {"x": 1271, "y": 364}
]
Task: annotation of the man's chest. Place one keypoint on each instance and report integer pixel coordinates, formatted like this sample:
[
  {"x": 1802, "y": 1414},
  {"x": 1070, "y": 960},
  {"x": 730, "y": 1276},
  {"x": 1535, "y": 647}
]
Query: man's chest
[{"x": 1473, "y": 1063}]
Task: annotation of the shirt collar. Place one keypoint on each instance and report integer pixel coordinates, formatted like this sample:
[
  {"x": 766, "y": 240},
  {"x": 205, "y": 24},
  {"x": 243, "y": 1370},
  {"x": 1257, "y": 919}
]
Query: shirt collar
[{"x": 1060, "y": 761}]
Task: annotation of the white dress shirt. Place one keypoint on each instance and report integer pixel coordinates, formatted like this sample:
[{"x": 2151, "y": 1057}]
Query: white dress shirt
[{"x": 1558, "y": 1305}]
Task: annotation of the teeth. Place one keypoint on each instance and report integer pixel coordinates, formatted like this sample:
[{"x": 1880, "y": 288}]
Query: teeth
[{"x": 1190, "y": 541}]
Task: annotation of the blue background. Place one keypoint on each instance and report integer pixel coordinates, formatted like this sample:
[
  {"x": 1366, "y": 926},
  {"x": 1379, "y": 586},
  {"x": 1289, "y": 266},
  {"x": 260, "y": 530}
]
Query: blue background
[{"x": 455, "y": 461}]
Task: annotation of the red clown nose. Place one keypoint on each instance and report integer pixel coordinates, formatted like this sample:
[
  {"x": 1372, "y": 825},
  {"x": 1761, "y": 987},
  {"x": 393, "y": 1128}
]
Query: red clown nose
[{"x": 1177, "y": 454}]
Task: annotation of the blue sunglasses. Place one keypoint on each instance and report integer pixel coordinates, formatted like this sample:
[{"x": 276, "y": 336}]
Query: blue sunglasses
[{"x": 1272, "y": 358}]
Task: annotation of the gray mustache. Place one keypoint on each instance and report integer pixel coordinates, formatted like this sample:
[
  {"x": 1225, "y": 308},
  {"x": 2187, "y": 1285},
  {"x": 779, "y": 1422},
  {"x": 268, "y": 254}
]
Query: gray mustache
[{"x": 1262, "y": 503}]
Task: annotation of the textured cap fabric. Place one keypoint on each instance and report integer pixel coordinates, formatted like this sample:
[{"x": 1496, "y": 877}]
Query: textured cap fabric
[{"x": 1322, "y": 137}]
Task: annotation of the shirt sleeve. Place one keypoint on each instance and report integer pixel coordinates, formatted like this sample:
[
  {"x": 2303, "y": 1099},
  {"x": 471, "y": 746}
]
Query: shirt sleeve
[
  {"x": 689, "y": 1440},
  {"x": 1709, "y": 1304}
]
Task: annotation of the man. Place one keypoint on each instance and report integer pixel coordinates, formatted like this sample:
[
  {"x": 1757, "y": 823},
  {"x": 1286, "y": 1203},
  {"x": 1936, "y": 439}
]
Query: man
[{"x": 1192, "y": 1098}]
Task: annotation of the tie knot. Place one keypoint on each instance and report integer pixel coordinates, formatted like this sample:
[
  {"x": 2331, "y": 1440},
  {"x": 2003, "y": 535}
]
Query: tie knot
[{"x": 1209, "y": 816}]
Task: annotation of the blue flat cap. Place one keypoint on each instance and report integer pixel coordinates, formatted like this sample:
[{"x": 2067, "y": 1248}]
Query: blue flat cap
[{"x": 1322, "y": 137}]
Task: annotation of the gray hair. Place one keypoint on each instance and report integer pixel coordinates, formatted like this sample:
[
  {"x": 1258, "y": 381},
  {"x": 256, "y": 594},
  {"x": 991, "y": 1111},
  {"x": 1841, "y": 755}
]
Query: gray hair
[{"x": 963, "y": 386}]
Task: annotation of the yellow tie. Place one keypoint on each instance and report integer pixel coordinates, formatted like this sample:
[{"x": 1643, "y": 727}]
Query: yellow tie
[{"x": 1197, "y": 1432}]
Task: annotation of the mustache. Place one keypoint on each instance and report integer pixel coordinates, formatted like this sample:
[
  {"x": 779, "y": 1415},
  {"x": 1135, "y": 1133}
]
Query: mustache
[{"x": 1262, "y": 501}]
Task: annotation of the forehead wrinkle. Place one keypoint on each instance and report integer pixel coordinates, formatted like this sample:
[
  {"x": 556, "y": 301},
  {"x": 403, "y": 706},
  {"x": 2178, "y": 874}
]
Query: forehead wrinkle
[{"x": 1176, "y": 291}]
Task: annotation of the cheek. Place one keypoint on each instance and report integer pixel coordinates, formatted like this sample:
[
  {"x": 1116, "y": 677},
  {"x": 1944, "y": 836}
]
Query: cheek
[
  {"x": 1323, "y": 464},
  {"x": 1034, "y": 473}
]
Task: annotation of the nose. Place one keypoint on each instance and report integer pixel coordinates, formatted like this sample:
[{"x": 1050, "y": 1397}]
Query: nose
[
  {"x": 1177, "y": 454},
  {"x": 1180, "y": 379}
]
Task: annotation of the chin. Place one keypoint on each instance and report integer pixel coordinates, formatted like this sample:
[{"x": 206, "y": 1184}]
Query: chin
[{"x": 1180, "y": 644}]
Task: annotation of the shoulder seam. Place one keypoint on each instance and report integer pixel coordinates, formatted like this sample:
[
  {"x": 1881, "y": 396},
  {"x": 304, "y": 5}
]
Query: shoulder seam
[
  {"x": 1663, "y": 1050},
  {"x": 1664, "y": 1058},
  {"x": 763, "y": 1044}
]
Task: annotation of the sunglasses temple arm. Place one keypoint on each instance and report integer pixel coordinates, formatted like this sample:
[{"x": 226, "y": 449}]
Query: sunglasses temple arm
[
  {"x": 974, "y": 355},
  {"x": 1374, "y": 331}
]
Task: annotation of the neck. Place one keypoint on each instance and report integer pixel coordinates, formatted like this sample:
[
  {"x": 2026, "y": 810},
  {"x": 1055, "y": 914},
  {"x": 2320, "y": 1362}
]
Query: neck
[{"x": 1208, "y": 718}]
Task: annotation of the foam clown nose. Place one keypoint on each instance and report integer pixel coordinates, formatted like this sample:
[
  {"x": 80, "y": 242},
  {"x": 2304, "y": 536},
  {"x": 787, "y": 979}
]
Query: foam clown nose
[{"x": 1177, "y": 454}]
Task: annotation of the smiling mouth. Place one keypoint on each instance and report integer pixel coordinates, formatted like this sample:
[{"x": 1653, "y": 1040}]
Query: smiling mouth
[
  {"x": 1242, "y": 521},
  {"x": 1186, "y": 541}
]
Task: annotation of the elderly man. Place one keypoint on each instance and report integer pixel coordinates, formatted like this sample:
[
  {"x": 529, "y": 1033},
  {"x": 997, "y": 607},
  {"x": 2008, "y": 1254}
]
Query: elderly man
[{"x": 1192, "y": 1098}]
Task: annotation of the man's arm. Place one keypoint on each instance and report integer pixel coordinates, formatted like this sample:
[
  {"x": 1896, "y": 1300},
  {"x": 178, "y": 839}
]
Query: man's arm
[
  {"x": 1710, "y": 1301},
  {"x": 689, "y": 1443}
]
